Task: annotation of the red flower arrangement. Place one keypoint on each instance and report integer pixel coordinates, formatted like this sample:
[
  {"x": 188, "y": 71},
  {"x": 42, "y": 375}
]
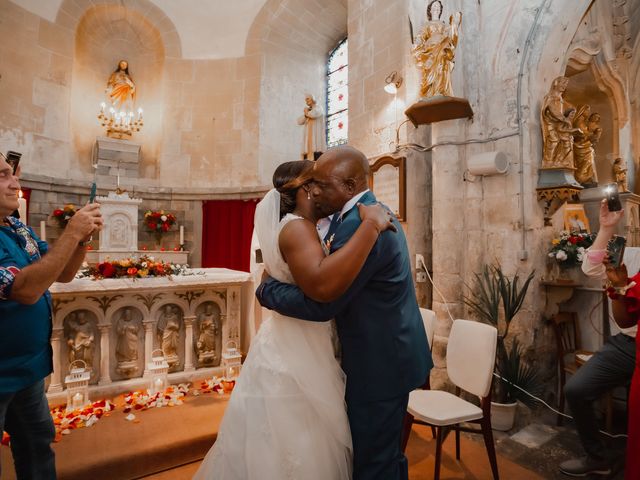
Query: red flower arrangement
[
  {"x": 63, "y": 215},
  {"x": 159, "y": 222},
  {"x": 132, "y": 268}
]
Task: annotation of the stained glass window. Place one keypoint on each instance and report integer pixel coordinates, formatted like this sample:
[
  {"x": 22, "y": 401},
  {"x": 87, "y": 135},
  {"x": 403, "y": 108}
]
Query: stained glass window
[{"x": 338, "y": 95}]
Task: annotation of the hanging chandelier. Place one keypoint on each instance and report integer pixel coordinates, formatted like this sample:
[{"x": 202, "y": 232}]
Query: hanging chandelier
[{"x": 120, "y": 124}]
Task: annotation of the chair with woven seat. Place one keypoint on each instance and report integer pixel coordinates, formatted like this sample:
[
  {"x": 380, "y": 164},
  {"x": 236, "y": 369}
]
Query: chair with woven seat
[{"x": 471, "y": 353}]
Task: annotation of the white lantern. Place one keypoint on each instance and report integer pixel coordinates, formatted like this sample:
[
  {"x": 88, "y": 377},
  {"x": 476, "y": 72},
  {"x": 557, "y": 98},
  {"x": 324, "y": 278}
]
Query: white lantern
[
  {"x": 158, "y": 372},
  {"x": 77, "y": 383},
  {"x": 231, "y": 360}
]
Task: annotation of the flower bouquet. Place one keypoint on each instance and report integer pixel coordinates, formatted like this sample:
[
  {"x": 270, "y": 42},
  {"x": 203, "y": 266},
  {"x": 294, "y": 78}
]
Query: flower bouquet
[
  {"x": 142, "y": 267},
  {"x": 63, "y": 215},
  {"x": 568, "y": 249},
  {"x": 159, "y": 222}
]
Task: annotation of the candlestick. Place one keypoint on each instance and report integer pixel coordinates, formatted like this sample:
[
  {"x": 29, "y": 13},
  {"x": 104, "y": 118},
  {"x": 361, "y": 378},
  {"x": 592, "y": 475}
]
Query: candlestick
[
  {"x": 43, "y": 231},
  {"x": 22, "y": 207},
  {"x": 181, "y": 235}
]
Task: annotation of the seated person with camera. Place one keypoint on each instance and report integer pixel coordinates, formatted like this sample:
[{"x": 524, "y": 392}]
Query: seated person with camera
[{"x": 610, "y": 367}]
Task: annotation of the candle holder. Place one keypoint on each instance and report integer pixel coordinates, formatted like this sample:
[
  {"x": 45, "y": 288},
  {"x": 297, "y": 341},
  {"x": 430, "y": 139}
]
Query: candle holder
[
  {"x": 120, "y": 124},
  {"x": 77, "y": 383},
  {"x": 158, "y": 373}
]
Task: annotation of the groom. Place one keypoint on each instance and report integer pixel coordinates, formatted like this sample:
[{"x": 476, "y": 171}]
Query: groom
[{"x": 384, "y": 346}]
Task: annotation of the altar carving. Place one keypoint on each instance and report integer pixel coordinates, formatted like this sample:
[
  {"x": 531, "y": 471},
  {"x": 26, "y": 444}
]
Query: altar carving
[
  {"x": 128, "y": 314},
  {"x": 208, "y": 345},
  {"x": 585, "y": 139},
  {"x": 127, "y": 330},
  {"x": 169, "y": 326},
  {"x": 120, "y": 214},
  {"x": 620, "y": 174},
  {"x": 81, "y": 337}
]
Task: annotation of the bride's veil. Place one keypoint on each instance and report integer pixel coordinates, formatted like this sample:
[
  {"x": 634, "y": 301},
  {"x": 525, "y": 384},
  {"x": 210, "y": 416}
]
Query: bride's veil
[{"x": 267, "y": 227}]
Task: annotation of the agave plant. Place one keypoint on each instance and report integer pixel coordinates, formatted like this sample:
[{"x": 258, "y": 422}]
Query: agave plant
[{"x": 494, "y": 289}]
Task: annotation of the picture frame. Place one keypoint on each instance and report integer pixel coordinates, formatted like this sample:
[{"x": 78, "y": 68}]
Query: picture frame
[
  {"x": 387, "y": 181},
  {"x": 575, "y": 218}
]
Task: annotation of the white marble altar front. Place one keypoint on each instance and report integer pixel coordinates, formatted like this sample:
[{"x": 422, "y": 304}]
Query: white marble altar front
[{"x": 116, "y": 324}]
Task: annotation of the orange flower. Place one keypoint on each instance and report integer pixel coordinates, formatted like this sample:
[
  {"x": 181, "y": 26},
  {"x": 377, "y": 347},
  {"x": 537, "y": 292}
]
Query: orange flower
[{"x": 132, "y": 271}]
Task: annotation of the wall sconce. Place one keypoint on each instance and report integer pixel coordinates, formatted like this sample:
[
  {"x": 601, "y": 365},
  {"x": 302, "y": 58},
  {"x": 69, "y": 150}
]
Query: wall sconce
[{"x": 393, "y": 82}]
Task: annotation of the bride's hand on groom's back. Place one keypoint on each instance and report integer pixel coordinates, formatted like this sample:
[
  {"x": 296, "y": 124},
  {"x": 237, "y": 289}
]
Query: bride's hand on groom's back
[{"x": 378, "y": 215}]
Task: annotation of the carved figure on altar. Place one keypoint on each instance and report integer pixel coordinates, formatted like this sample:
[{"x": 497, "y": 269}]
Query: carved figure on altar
[
  {"x": 584, "y": 143},
  {"x": 313, "y": 137},
  {"x": 169, "y": 332},
  {"x": 620, "y": 174},
  {"x": 434, "y": 51},
  {"x": 127, "y": 346},
  {"x": 120, "y": 88},
  {"x": 555, "y": 119},
  {"x": 206, "y": 344},
  {"x": 80, "y": 339}
]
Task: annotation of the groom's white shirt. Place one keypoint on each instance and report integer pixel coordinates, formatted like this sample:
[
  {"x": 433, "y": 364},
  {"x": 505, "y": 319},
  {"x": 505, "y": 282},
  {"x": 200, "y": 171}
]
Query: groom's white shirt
[{"x": 324, "y": 223}]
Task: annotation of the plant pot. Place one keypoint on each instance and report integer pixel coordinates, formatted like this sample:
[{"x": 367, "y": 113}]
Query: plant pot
[{"x": 503, "y": 415}]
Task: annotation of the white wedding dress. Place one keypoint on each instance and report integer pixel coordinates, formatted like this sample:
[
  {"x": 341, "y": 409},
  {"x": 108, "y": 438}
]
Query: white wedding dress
[{"x": 286, "y": 418}]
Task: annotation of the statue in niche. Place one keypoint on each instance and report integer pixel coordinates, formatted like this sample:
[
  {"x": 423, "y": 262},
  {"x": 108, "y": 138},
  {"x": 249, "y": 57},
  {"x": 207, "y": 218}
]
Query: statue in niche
[
  {"x": 120, "y": 88},
  {"x": 556, "y": 120},
  {"x": 620, "y": 174},
  {"x": 169, "y": 333},
  {"x": 209, "y": 328},
  {"x": 434, "y": 51},
  {"x": 584, "y": 142},
  {"x": 127, "y": 345},
  {"x": 81, "y": 339},
  {"x": 313, "y": 137}
]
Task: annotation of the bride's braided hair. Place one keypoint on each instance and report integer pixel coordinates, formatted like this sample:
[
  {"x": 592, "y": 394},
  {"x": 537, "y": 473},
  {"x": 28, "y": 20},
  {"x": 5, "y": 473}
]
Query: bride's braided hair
[{"x": 287, "y": 179}]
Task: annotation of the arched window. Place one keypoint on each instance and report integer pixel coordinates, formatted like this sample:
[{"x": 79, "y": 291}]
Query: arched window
[{"x": 338, "y": 95}]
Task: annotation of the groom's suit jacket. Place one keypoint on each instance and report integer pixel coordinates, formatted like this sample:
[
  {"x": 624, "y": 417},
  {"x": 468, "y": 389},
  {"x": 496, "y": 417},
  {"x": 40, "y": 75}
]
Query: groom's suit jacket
[{"x": 384, "y": 346}]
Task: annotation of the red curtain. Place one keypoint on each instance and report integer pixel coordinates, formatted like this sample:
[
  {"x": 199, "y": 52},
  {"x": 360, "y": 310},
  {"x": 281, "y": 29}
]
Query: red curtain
[{"x": 227, "y": 226}]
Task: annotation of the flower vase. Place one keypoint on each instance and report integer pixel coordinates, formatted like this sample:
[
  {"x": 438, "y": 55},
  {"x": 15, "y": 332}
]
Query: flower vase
[
  {"x": 158, "y": 236},
  {"x": 566, "y": 274}
]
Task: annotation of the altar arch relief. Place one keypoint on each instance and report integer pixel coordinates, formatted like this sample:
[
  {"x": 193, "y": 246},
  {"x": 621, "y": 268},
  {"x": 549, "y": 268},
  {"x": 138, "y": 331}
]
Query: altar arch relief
[
  {"x": 127, "y": 343},
  {"x": 81, "y": 341},
  {"x": 170, "y": 335},
  {"x": 207, "y": 335}
]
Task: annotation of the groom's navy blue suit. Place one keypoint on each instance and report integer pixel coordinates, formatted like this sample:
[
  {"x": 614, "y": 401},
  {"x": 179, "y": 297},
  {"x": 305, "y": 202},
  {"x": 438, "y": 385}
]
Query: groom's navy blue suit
[{"x": 385, "y": 353}]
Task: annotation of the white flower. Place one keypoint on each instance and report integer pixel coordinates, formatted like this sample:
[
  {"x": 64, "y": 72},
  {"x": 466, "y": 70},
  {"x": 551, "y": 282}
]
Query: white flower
[
  {"x": 580, "y": 250},
  {"x": 580, "y": 256},
  {"x": 163, "y": 218},
  {"x": 552, "y": 254},
  {"x": 561, "y": 255}
]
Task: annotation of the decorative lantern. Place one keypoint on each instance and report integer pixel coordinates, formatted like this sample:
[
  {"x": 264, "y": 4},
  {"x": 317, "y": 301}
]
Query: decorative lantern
[
  {"x": 77, "y": 383},
  {"x": 231, "y": 360},
  {"x": 158, "y": 371}
]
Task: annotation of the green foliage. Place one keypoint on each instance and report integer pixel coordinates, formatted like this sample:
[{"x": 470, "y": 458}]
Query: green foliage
[{"x": 492, "y": 290}]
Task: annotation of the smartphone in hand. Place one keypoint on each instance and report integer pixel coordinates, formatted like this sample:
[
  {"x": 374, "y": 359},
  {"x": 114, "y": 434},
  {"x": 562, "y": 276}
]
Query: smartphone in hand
[
  {"x": 613, "y": 197},
  {"x": 615, "y": 250},
  {"x": 92, "y": 194},
  {"x": 13, "y": 159}
]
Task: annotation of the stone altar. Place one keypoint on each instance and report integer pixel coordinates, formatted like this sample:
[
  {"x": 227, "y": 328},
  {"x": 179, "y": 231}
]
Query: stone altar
[{"x": 225, "y": 295}]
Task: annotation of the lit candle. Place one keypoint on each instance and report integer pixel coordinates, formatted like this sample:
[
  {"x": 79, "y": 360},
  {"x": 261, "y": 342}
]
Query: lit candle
[
  {"x": 158, "y": 384},
  {"x": 181, "y": 235},
  {"x": 43, "y": 231},
  {"x": 112, "y": 112},
  {"x": 102, "y": 107},
  {"x": 140, "y": 114},
  {"x": 77, "y": 400},
  {"x": 22, "y": 207}
]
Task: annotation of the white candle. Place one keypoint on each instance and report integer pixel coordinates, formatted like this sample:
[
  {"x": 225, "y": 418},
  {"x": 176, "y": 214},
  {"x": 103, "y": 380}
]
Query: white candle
[
  {"x": 102, "y": 107},
  {"x": 77, "y": 400},
  {"x": 43, "y": 231},
  {"x": 181, "y": 234},
  {"x": 22, "y": 207}
]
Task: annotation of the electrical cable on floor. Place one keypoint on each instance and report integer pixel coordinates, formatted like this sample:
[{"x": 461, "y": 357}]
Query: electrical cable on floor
[{"x": 444, "y": 300}]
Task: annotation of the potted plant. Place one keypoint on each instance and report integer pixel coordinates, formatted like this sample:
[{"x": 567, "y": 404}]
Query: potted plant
[{"x": 493, "y": 290}]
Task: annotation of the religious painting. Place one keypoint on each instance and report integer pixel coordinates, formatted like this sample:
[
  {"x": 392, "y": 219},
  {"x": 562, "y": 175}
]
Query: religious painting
[
  {"x": 387, "y": 181},
  {"x": 575, "y": 219}
]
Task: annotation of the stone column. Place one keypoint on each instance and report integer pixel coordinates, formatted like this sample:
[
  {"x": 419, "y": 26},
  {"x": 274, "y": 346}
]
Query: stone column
[
  {"x": 188, "y": 344},
  {"x": 148, "y": 345},
  {"x": 105, "y": 352},
  {"x": 56, "y": 378}
]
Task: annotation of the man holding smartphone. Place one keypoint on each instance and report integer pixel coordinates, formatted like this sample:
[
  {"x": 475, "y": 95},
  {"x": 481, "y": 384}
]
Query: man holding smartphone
[
  {"x": 610, "y": 367},
  {"x": 27, "y": 270}
]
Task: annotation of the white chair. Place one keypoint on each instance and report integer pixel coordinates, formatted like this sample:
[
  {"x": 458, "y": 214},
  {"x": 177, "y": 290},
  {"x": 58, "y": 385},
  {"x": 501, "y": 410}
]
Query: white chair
[
  {"x": 429, "y": 321},
  {"x": 471, "y": 354}
]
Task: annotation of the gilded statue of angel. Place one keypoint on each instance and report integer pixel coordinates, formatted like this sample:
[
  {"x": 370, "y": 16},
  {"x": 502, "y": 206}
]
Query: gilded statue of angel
[{"x": 434, "y": 51}]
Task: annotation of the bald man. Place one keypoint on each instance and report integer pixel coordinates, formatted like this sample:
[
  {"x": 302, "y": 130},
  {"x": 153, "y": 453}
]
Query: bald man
[{"x": 384, "y": 345}]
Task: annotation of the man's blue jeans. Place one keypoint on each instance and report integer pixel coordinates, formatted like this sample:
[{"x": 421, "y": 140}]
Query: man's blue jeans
[{"x": 25, "y": 416}]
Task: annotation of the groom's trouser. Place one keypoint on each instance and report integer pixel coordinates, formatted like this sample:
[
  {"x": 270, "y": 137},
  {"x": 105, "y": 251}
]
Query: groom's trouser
[{"x": 376, "y": 430}]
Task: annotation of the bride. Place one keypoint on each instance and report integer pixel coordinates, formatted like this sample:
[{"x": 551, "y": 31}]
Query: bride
[{"x": 286, "y": 418}]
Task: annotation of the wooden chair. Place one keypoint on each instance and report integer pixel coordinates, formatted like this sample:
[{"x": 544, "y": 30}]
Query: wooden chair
[
  {"x": 471, "y": 353},
  {"x": 571, "y": 357}
]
